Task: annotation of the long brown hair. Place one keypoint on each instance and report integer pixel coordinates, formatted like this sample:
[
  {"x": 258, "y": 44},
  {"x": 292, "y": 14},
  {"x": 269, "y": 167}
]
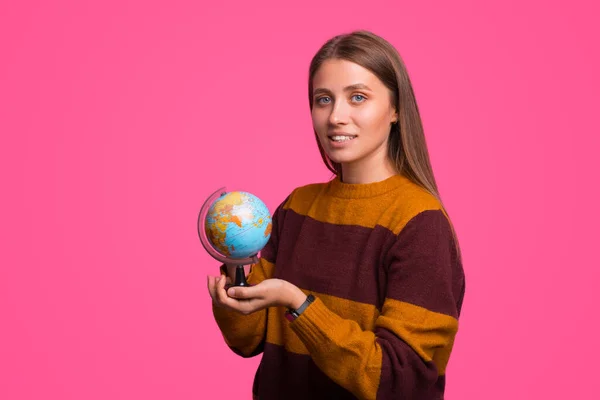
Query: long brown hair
[{"x": 407, "y": 147}]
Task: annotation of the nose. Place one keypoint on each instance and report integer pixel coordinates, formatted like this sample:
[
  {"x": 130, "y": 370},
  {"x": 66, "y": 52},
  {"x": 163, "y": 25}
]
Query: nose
[{"x": 339, "y": 113}]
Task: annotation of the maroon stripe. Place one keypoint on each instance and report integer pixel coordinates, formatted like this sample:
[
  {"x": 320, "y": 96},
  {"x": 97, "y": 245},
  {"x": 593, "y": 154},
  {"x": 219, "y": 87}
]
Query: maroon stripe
[
  {"x": 340, "y": 260},
  {"x": 425, "y": 270},
  {"x": 290, "y": 376},
  {"x": 441, "y": 386},
  {"x": 355, "y": 262},
  {"x": 404, "y": 375},
  {"x": 284, "y": 375}
]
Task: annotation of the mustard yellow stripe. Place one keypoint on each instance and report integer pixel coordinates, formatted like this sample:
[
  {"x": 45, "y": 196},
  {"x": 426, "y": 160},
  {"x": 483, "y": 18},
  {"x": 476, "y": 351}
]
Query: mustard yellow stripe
[
  {"x": 430, "y": 334},
  {"x": 392, "y": 210},
  {"x": 441, "y": 357},
  {"x": 279, "y": 332},
  {"x": 260, "y": 271}
]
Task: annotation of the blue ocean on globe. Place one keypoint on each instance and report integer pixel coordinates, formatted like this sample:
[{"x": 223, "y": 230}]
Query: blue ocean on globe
[{"x": 238, "y": 224}]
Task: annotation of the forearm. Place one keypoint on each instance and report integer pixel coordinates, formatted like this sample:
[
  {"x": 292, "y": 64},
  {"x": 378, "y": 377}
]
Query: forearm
[{"x": 368, "y": 364}]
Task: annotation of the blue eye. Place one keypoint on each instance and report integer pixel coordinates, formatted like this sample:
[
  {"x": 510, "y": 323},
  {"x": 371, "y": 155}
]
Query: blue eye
[{"x": 326, "y": 99}]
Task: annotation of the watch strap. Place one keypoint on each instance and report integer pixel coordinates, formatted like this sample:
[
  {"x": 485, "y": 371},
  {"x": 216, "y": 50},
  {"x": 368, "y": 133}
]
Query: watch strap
[
  {"x": 309, "y": 299},
  {"x": 292, "y": 314}
]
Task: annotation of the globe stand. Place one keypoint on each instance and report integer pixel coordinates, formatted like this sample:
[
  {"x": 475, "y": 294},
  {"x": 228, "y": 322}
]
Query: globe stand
[
  {"x": 240, "y": 278},
  {"x": 240, "y": 275}
]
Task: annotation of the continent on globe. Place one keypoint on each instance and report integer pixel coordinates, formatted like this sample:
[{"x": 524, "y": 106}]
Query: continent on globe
[{"x": 238, "y": 224}]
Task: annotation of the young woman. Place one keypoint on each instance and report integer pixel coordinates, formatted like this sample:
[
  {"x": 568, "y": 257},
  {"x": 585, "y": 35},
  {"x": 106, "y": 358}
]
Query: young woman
[{"x": 358, "y": 292}]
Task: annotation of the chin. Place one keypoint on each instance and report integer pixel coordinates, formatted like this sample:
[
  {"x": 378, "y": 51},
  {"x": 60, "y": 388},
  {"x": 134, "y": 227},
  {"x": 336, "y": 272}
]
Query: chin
[{"x": 342, "y": 158}]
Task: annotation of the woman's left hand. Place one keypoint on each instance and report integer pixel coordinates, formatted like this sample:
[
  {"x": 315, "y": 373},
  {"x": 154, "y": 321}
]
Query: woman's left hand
[{"x": 268, "y": 293}]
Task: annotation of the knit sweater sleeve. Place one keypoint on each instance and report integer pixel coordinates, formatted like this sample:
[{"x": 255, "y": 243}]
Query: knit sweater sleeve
[
  {"x": 245, "y": 334},
  {"x": 403, "y": 356}
]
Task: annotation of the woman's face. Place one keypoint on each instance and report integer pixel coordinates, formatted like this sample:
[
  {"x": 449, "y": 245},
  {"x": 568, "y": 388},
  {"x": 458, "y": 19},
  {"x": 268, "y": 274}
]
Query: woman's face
[{"x": 352, "y": 112}]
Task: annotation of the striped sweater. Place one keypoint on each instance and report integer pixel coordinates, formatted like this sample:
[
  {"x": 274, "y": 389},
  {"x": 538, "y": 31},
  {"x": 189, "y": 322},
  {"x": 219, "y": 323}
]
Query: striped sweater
[{"x": 381, "y": 262}]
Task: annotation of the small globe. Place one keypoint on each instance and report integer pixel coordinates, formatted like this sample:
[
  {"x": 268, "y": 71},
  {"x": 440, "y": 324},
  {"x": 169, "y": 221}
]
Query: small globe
[{"x": 238, "y": 225}]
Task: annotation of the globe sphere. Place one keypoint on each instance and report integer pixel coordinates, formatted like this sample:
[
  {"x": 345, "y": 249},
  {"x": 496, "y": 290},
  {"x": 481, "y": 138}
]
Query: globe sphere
[{"x": 238, "y": 224}]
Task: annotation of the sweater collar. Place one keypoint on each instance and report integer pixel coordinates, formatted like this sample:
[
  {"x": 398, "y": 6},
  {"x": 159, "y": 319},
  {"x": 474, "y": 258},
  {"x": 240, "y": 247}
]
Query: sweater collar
[{"x": 337, "y": 188}]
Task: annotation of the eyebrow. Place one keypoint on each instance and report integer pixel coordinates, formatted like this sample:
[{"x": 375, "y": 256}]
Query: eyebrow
[{"x": 346, "y": 89}]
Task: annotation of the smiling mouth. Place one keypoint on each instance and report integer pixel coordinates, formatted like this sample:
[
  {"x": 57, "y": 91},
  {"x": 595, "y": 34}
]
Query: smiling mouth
[{"x": 341, "y": 138}]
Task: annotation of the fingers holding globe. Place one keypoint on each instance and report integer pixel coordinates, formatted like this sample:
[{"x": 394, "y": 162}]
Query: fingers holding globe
[{"x": 234, "y": 227}]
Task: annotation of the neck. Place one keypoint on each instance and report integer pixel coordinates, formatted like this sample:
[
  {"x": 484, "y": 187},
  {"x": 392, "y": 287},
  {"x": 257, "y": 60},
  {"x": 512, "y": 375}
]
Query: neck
[{"x": 368, "y": 170}]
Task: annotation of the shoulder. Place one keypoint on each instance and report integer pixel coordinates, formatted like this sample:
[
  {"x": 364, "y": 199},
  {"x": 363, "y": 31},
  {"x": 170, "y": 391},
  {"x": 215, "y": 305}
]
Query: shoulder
[
  {"x": 411, "y": 202},
  {"x": 413, "y": 197}
]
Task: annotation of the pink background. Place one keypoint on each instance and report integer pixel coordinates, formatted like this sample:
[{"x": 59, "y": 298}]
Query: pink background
[{"x": 119, "y": 118}]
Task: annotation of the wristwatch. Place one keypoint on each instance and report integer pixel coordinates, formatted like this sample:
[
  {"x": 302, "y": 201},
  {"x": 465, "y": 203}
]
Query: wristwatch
[{"x": 291, "y": 314}]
